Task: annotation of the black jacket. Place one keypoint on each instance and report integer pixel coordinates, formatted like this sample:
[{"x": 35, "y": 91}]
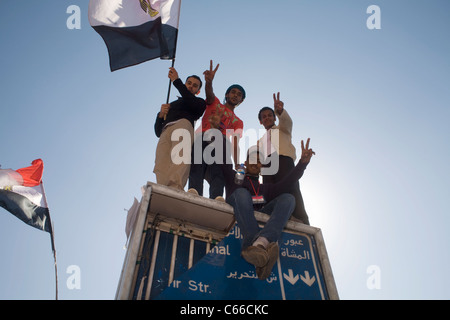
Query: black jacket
[
  {"x": 188, "y": 106},
  {"x": 268, "y": 190}
]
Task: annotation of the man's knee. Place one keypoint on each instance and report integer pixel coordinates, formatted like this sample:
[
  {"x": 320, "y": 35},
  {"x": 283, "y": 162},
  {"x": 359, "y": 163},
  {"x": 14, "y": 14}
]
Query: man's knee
[
  {"x": 241, "y": 192},
  {"x": 287, "y": 197},
  {"x": 238, "y": 195}
]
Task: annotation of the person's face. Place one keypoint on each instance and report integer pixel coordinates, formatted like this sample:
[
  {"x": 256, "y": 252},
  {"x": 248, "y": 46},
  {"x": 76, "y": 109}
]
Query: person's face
[
  {"x": 234, "y": 97},
  {"x": 253, "y": 164},
  {"x": 193, "y": 85},
  {"x": 267, "y": 119}
]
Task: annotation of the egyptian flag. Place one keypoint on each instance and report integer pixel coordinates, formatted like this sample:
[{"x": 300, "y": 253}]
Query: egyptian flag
[
  {"x": 136, "y": 31},
  {"x": 22, "y": 194}
]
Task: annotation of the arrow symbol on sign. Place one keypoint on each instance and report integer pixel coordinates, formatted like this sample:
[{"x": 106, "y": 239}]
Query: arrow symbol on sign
[
  {"x": 290, "y": 277},
  {"x": 306, "y": 279}
]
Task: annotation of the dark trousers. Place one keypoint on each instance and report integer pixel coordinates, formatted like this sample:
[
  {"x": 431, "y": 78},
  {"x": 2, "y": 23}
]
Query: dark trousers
[
  {"x": 286, "y": 164},
  {"x": 211, "y": 172}
]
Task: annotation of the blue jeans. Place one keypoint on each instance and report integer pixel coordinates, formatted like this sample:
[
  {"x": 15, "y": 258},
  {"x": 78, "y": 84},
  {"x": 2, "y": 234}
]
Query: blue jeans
[{"x": 279, "y": 209}]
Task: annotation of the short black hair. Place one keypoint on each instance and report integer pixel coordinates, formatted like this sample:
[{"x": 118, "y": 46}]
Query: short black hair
[
  {"x": 264, "y": 109},
  {"x": 196, "y": 77}
]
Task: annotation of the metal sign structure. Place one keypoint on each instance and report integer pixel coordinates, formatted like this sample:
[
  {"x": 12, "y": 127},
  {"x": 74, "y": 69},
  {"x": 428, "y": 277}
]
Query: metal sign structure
[
  {"x": 194, "y": 254},
  {"x": 222, "y": 274}
]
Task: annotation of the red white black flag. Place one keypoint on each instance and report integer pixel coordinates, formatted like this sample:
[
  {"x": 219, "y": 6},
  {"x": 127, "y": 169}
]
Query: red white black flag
[{"x": 22, "y": 194}]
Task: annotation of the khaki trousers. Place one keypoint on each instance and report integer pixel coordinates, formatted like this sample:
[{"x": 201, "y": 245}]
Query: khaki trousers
[{"x": 167, "y": 172}]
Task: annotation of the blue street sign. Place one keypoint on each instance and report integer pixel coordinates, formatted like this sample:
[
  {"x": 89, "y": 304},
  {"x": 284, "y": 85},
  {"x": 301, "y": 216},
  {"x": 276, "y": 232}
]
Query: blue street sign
[{"x": 223, "y": 274}]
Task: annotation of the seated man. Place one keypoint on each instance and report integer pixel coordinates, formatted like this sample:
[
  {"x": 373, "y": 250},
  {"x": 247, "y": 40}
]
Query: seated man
[{"x": 260, "y": 247}]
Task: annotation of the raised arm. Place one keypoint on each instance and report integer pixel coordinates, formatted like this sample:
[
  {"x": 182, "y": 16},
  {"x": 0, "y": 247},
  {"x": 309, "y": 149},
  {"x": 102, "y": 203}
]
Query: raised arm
[
  {"x": 285, "y": 123},
  {"x": 285, "y": 184},
  {"x": 209, "y": 77}
]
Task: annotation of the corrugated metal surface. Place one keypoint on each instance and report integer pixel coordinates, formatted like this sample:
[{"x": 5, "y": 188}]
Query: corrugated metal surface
[{"x": 169, "y": 249}]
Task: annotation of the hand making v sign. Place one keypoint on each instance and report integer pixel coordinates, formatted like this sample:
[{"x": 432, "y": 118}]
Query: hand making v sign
[
  {"x": 278, "y": 105},
  {"x": 209, "y": 74},
  {"x": 307, "y": 153}
]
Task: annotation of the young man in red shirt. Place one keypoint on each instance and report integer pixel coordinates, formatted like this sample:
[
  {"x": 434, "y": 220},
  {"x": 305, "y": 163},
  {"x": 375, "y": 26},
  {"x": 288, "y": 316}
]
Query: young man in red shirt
[{"x": 229, "y": 126}]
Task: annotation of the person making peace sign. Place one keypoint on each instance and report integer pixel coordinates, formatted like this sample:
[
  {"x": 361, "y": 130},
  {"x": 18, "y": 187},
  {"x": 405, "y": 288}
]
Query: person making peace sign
[
  {"x": 260, "y": 246},
  {"x": 229, "y": 125},
  {"x": 278, "y": 147}
]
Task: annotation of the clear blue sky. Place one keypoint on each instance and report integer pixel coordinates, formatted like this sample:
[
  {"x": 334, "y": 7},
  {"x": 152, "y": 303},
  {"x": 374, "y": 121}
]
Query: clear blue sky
[{"x": 375, "y": 104}]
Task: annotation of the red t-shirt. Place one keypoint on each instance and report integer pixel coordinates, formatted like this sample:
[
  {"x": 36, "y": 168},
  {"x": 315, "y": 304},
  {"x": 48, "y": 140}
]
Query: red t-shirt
[{"x": 229, "y": 119}]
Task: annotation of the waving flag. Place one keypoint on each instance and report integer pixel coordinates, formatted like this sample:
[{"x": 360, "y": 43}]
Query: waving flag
[
  {"x": 22, "y": 194},
  {"x": 136, "y": 31}
]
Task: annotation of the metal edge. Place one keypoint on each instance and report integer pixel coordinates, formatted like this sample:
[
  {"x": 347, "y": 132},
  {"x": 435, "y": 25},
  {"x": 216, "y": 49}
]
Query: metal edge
[
  {"x": 326, "y": 266},
  {"x": 167, "y": 223},
  {"x": 191, "y": 198},
  {"x": 129, "y": 265}
]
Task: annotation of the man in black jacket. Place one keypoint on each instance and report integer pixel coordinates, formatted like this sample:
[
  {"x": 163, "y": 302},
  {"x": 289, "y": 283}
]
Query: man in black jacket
[
  {"x": 175, "y": 121},
  {"x": 260, "y": 246}
]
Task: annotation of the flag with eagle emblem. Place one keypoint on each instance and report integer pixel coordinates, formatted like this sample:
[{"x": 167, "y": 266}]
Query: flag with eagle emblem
[{"x": 136, "y": 31}]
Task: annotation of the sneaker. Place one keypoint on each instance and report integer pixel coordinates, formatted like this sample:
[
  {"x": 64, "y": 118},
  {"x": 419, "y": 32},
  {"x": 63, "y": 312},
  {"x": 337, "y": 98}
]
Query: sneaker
[
  {"x": 272, "y": 252},
  {"x": 193, "y": 191},
  {"x": 256, "y": 256},
  {"x": 220, "y": 198}
]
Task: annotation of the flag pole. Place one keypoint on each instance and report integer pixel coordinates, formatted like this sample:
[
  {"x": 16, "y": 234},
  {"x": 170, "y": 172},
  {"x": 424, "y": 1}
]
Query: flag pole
[
  {"x": 170, "y": 83},
  {"x": 52, "y": 239},
  {"x": 173, "y": 60},
  {"x": 168, "y": 91}
]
